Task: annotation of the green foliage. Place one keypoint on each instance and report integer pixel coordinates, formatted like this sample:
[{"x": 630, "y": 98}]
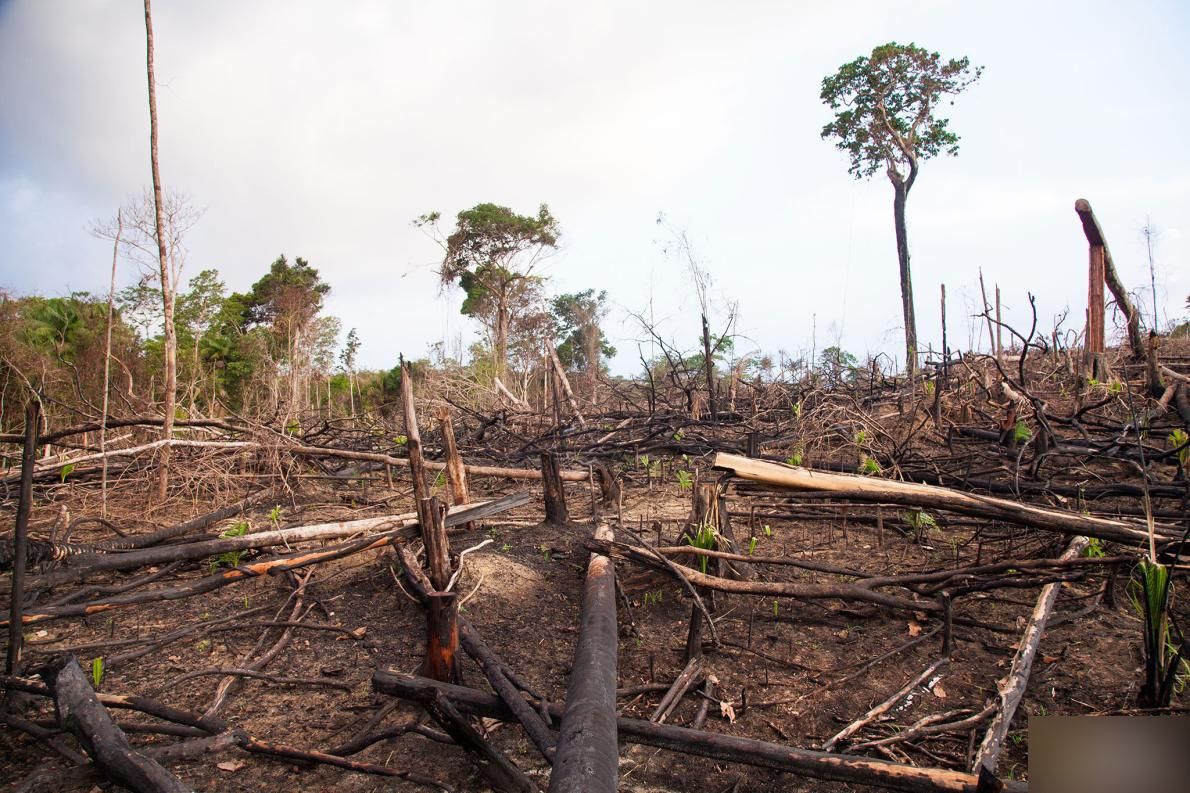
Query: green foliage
[
  {"x": 705, "y": 537},
  {"x": 1094, "y": 549},
  {"x": 1021, "y": 432},
  {"x": 768, "y": 530},
  {"x": 838, "y": 367},
  {"x": 1178, "y": 439},
  {"x": 869, "y": 466},
  {"x": 577, "y": 318},
  {"x": 274, "y": 516},
  {"x": 401, "y": 440},
  {"x": 797, "y": 456},
  {"x": 885, "y": 107},
  {"x": 232, "y": 558},
  {"x": 685, "y": 481},
  {"x": 921, "y": 522},
  {"x": 776, "y": 609},
  {"x": 66, "y": 471},
  {"x": 752, "y": 541},
  {"x": 1162, "y": 648},
  {"x": 97, "y": 672}
]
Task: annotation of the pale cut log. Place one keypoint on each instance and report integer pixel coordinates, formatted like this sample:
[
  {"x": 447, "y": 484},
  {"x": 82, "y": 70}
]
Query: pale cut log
[
  {"x": 862, "y": 488},
  {"x": 1012, "y": 687},
  {"x": 565, "y": 381}
]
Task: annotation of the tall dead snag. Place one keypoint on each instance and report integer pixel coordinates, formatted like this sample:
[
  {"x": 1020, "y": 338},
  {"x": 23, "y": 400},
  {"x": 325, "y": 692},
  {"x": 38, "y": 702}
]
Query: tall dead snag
[
  {"x": 588, "y": 756},
  {"x": 417, "y": 468},
  {"x": 552, "y": 487},
  {"x": 1103, "y": 270},
  {"x": 20, "y": 539},
  {"x": 1012, "y": 687},
  {"x": 80, "y": 713},
  {"x": 565, "y": 383},
  {"x": 170, "y": 349}
]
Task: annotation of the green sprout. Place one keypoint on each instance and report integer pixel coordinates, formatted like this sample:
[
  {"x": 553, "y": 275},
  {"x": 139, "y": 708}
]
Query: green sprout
[
  {"x": 232, "y": 558},
  {"x": 401, "y": 440},
  {"x": 685, "y": 481},
  {"x": 752, "y": 544},
  {"x": 1178, "y": 439},
  {"x": 796, "y": 456},
  {"x": 869, "y": 466},
  {"x": 65, "y": 472},
  {"x": 1021, "y": 432},
  {"x": 768, "y": 530},
  {"x": 274, "y": 516},
  {"x": 97, "y": 672},
  {"x": 703, "y": 538},
  {"x": 776, "y": 609}
]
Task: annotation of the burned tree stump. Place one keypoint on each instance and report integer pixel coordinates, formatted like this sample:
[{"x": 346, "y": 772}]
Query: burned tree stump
[{"x": 555, "y": 494}]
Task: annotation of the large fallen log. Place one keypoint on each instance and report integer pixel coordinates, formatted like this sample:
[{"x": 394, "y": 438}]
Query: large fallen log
[
  {"x": 587, "y": 757},
  {"x": 81, "y": 714},
  {"x": 726, "y": 748},
  {"x": 862, "y": 488}
]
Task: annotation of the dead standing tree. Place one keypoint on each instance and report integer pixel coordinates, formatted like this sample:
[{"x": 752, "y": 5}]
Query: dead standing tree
[{"x": 168, "y": 283}]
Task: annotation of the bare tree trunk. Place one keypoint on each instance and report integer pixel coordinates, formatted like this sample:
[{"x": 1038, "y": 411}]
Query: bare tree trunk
[
  {"x": 709, "y": 364},
  {"x": 500, "y": 345},
  {"x": 107, "y": 361},
  {"x": 901, "y": 194},
  {"x": 167, "y": 294}
]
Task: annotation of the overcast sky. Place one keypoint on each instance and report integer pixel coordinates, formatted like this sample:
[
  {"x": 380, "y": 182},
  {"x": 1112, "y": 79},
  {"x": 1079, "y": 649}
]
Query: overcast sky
[{"x": 322, "y": 129}]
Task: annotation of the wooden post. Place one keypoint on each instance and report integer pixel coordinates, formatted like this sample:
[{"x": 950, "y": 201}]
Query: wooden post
[
  {"x": 20, "y": 538},
  {"x": 456, "y": 473},
  {"x": 753, "y": 444},
  {"x": 555, "y": 493}
]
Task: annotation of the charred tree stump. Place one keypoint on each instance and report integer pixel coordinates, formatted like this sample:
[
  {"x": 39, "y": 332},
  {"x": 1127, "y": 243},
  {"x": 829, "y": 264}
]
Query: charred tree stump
[
  {"x": 12, "y": 664},
  {"x": 555, "y": 493},
  {"x": 588, "y": 756},
  {"x": 442, "y": 612},
  {"x": 609, "y": 487},
  {"x": 80, "y": 713}
]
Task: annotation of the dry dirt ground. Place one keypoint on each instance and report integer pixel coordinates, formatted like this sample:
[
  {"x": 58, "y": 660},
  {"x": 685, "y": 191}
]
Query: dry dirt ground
[{"x": 523, "y": 593}]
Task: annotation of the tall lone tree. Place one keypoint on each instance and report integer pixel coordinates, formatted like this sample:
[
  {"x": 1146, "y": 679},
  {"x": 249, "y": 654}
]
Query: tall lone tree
[
  {"x": 168, "y": 287},
  {"x": 885, "y": 118},
  {"x": 492, "y": 254}
]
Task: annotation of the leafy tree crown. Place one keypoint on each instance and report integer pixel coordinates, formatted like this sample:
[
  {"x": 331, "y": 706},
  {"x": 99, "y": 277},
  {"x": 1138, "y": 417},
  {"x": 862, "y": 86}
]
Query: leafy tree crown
[{"x": 885, "y": 107}]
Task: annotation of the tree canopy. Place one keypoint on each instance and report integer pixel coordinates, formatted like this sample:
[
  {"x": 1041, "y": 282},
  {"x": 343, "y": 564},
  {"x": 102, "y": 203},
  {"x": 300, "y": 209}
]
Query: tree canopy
[{"x": 886, "y": 107}]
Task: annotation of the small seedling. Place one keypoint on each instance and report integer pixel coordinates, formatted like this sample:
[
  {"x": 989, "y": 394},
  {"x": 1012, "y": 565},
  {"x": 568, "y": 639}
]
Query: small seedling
[
  {"x": 293, "y": 427},
  {"x": 869, "y": 466},
  {"x": 545, "y": 551},
  {"x": 752, "y": 544},
  {"x": 401, "y": 440},
  {"x": 505, "y": 548},
  {"x": 1178, "y": 439},
  {"x": 440, "y": 480},
  {"x": 1094, "y": 549},
  {"x": 203, "y": 645},
  {"x": 768, "y": 530},
  {"x": 703, "y": 538},
  {"x": 776, "y": 609},
  {"x": 66, "y": 471},
  {"x": 797, "y": 456},
  {"x": 929, "y": 387},
  {"x": 678, "y": 436},
  {"x": 1021, "y": 432},
  {"x": 274, "y": 516},
  {"x": 685, "y": 481},
  {"x": 97, "y": 672},
  {"x": 860, "y": 437},
  {"x": 232, "y": 558}
]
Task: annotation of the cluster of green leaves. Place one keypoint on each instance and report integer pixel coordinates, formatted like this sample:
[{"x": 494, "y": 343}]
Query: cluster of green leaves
[
  {"x": 685, "y": 481},
  {"x": 704, "y": 536},
  {"x": 232, "y": 558},
  {"x": 1178, "y": 439},
  {"x": 1151, "y": 591}
]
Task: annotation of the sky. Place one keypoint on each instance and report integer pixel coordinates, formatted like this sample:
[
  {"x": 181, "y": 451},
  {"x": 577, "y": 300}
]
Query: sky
[{"x": 322, "y": 130}]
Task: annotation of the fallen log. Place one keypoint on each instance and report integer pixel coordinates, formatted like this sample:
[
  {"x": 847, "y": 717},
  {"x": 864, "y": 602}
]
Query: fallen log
[
  {"x": 912, "y": 494},
  {"x": 245, "y": 571},
  {"x": 587, "y": 756},
  {"x": 404, "y": 525},
  {"x": 80, "y": 713},
  {"x": 1012, "y": 687},
  {"x": 861, "y": 591},
  {"x": 726, "y": 748}
]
